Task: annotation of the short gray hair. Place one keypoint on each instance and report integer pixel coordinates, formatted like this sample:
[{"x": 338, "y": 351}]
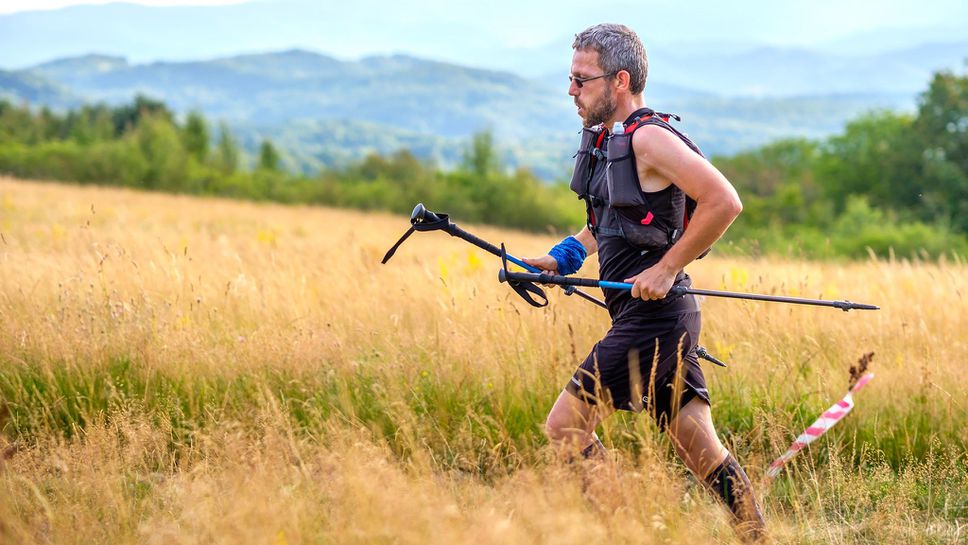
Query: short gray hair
[{"x": 619, "y": 48}]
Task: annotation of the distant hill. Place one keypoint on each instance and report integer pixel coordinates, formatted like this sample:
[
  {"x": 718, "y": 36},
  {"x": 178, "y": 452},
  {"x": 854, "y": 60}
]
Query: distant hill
[
  {"x": 775, "y": 71},
  {"x": 872, "y": 42},
  {"x": 276, "y": 88},
  {"x": 71, "y": 69},
  {"x": 24, "y": 86},
  {"x": 733, "y": 89},
  {"x": 324, "y": 111},
  {"x": 683, "y": 41},
  {"x": 148, "y": 33}
]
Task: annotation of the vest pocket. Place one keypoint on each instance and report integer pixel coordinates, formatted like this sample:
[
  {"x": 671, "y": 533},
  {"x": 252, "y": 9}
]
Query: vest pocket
[
  {"x": 640, "y": 227},
  {"x": 620, "y": 175},
  {"x": 579, "y": 177},
  {"x": 645, "y": 236}
]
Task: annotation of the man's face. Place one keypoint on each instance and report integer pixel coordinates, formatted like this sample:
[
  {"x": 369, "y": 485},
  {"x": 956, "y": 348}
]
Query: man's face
[{"x": 594, "y": 98}]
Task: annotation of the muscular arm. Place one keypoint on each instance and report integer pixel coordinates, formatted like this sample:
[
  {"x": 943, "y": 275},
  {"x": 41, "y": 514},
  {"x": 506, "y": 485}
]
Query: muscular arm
[{"x": 664, "y": 156}]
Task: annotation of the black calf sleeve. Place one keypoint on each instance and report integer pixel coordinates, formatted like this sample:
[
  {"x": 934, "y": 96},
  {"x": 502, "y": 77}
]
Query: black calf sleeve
[
  {"x": 594, "y": 450},
  {"x": 731, "y": 484}
]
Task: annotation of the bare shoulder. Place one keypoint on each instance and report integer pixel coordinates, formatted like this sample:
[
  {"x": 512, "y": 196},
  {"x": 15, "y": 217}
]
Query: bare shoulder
[
  {"x": 655, "y": 145},
  {"x": 662, "y": 157}
]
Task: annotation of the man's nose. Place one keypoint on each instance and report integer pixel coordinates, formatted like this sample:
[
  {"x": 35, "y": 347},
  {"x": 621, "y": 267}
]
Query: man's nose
[{"x": 573, "y": 89}]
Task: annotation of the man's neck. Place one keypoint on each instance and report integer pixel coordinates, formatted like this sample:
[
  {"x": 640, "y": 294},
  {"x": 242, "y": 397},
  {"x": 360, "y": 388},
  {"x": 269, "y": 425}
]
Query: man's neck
[{"x": 625, "y": 109}]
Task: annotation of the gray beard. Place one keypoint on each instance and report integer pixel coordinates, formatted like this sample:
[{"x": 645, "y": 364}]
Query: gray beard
[{"x": 602, "y": 112}]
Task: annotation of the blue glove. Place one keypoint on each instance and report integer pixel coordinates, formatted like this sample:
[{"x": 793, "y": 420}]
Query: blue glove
[{"x": 570, "y": 254}]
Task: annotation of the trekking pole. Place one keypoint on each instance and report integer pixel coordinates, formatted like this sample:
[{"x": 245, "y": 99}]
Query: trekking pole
[
  {"x": 422, "y": 219},
  {"x": 504, "y": 275}
]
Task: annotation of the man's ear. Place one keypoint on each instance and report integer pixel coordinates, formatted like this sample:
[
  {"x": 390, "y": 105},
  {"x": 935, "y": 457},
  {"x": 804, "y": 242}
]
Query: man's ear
[{"x": 623, "y": 80}]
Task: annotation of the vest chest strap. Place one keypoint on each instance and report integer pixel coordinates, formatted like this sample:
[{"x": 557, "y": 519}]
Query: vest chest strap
[{"x": 608, "y": 232}]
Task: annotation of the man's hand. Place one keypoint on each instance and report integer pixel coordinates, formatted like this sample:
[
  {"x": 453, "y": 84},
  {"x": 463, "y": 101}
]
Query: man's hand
[
  {"x": 652, "y": 283},
  {"x": 546, "y": 264}
]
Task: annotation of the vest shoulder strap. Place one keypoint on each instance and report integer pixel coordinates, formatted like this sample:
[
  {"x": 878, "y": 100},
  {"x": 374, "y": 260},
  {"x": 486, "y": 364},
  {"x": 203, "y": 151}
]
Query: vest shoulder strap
[{"x": 650, "y": 117}]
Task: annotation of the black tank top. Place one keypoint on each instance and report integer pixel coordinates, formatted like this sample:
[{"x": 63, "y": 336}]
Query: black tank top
[{"x": 618, "y": 260}]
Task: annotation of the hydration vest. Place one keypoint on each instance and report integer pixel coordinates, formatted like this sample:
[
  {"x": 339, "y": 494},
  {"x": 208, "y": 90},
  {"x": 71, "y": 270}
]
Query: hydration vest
[{"x": 650, "y": 222}]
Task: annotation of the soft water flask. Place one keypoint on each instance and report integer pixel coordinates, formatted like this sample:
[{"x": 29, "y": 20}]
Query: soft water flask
[{"x": 618, "y": 128}]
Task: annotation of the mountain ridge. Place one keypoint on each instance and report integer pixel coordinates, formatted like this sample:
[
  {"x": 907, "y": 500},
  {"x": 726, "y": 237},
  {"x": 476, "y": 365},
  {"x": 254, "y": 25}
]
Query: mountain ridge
[{"x": 322, "y": 109}]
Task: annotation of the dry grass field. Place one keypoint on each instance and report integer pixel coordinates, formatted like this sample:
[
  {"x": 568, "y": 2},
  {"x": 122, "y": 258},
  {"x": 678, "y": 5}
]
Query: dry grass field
[{"x": 184, "y": 370}]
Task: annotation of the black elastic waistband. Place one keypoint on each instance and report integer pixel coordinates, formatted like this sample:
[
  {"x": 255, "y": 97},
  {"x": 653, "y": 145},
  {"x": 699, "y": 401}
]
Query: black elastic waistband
[{"x": 638, "y": 310}]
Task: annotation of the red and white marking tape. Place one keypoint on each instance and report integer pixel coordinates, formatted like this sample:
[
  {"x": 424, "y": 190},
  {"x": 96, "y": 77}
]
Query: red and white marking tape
[{"x": 831, "y": 416}]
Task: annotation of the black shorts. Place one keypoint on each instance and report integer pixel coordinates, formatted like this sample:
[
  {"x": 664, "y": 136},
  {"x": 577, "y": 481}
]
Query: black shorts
[{"x": 645, "y": 363}]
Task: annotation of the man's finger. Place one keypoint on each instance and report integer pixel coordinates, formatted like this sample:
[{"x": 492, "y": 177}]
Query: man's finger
[{"x": 634, "y": 287}]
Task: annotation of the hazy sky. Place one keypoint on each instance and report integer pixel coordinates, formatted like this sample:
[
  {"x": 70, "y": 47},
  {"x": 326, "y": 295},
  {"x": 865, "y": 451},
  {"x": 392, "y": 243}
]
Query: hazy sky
[
  {"x": 11, "y": 6},
  {"x": 525, "y": 37},
  {"x": 531, "y": 23}
]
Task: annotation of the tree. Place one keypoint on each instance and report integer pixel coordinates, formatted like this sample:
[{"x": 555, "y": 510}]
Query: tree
[
  {"x": 877, "y": 156},
  {"x": 228, "y": 151},
  {"x": 942, "y": 128},
  {"x": 943, "y": 117},
  {"x": 128, "y": 117},
  {"x": 195, "y": 136},
  {"x": 102, "y": 126},
  {"x": 268, "y": 157},
  {"x": 167, "y": 162},
  {"x": 481, "y": 157}
]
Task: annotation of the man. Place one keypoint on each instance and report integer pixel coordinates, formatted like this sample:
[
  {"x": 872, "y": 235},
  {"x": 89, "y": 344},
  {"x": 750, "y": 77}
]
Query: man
[{"x": 647, "y": 359}]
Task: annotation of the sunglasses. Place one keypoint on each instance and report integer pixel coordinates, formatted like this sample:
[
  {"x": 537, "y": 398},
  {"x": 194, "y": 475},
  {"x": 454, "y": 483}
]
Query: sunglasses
[{"x": 580, "y": 82}]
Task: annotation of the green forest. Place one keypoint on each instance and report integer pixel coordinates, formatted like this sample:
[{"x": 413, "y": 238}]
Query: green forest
[{"x": 890, "y": 183}]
